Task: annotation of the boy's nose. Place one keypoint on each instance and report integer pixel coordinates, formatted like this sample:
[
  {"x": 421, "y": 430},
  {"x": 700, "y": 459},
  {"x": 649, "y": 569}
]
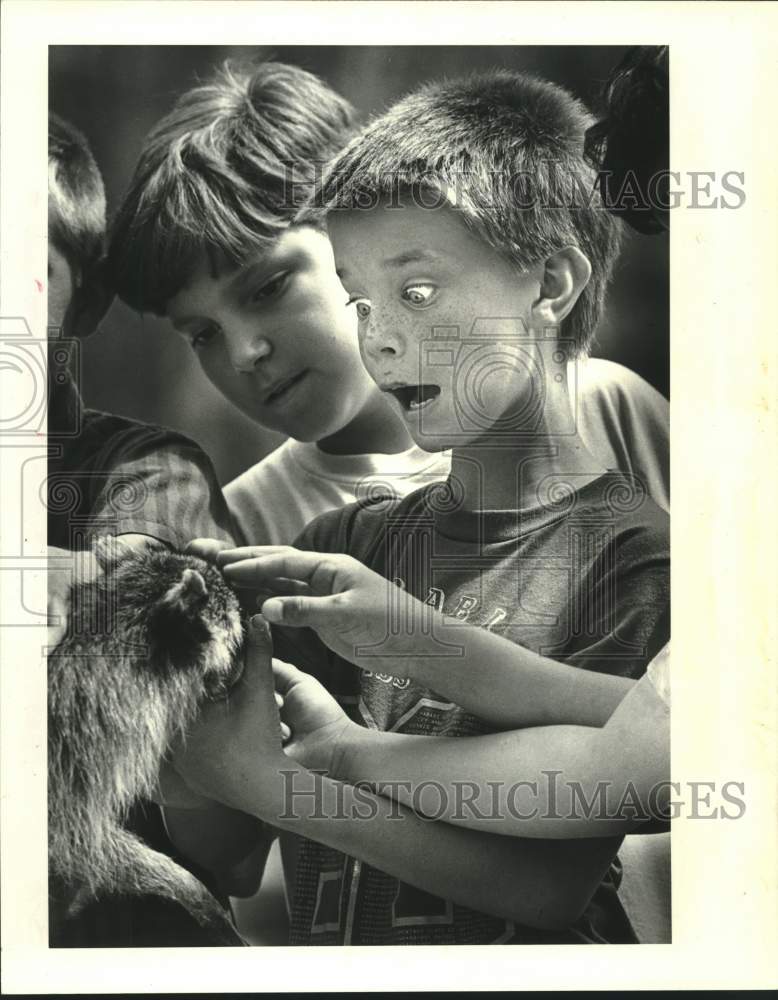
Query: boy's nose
[
  {"x": 382, "y": 342},
  {"x": 247, "y": 350}
]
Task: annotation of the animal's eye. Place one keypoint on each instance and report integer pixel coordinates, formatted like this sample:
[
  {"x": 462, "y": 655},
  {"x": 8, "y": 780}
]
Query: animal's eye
[
  {"x": 271, "y": 288},
  {"x": 202, "y": 337},
  {"x": 421, "y": 294},
  {"x": 363, "y": 306}
]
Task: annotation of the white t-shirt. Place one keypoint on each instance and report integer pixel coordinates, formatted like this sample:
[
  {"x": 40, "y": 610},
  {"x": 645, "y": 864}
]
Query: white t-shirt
[
  {"x": 623, "y": 420},
  {"x": 275, "y": 499}
]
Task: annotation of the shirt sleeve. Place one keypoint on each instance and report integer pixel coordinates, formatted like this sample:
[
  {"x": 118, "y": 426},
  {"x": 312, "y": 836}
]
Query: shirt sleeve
[
  {"x": 627, "y": 593},
  {"x": 645, "y": 417},
  {"x": 626, "y": 421},
  {"x": 160, "y": 484}
]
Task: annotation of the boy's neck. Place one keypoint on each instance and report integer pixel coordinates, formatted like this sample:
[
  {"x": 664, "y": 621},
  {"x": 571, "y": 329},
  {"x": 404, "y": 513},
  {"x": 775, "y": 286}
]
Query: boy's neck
[
  {"x": 376, "y": 429},
  {"x": 518, "y": 473}
]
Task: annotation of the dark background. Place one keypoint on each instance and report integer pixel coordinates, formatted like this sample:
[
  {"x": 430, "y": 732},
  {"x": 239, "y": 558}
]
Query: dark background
[{"x": 137, "y": 366}]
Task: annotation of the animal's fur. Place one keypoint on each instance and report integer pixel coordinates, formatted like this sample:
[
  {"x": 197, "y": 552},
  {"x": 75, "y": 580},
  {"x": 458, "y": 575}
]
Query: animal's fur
[{"x": 167, "y": 633}]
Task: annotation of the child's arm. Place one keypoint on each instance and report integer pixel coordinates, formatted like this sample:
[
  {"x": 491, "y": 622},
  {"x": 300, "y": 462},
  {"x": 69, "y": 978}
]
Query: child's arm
[
  {"x": 232, "y": 845},
  {"x": 234, "y": 753},
  {"x": 548, "y": 781},
  {"x": 370, "y": 622}
]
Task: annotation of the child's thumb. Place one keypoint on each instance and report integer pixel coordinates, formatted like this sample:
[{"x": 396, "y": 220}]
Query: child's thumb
[{"x": 257, "y": 675}]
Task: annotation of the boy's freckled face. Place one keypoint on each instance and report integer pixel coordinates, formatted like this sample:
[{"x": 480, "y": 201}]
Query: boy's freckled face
[
  {"x": 412, "y": 270},
  {"x": 276, "y": 337}
]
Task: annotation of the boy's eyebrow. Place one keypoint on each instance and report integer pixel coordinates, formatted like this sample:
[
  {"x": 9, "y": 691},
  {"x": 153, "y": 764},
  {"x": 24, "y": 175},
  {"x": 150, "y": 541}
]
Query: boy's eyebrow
[
  {"x": 406, "y": 257},
  {"x": 412, "y": 257},
  {"x": 245, "y": 274}
]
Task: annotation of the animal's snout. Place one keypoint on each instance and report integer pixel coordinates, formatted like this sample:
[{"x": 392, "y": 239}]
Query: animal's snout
[
  {"x": 226, "y": 665},
  {"x": 219, "y": 684}
]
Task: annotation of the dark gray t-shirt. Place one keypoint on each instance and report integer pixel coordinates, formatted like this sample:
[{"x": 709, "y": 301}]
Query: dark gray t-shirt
[{"x": 582, "y": 577}]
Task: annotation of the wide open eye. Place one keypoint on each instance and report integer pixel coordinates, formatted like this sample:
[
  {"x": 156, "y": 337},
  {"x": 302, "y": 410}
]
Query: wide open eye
[
  {"x": 363, "y": 306},
  {"x": 421, "y": 294}
]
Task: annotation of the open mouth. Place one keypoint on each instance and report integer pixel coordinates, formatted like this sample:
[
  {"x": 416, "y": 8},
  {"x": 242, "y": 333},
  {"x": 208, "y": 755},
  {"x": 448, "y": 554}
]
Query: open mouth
[
  {"x": 281, "y": 389},
  {"x": 415, "y": 397}
]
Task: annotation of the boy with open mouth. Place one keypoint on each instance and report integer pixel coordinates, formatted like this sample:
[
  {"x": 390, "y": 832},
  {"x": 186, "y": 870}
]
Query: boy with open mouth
[{"x": 469, "y": 310}]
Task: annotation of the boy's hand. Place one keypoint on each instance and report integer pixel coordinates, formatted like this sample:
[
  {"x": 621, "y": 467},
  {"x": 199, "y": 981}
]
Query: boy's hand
[
  {"x": 319, "y": 726},
  {"x": 210, "y": 549},
  {"x": 172, "y": 792},
  {"x": 232, "y": 753},
  {"x": 206, "y": 548},
  {"x": 355, "y": 612}
]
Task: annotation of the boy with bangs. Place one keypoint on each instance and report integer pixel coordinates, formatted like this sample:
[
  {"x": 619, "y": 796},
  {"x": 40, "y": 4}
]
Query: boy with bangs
[{"x": 469, "y": 308}]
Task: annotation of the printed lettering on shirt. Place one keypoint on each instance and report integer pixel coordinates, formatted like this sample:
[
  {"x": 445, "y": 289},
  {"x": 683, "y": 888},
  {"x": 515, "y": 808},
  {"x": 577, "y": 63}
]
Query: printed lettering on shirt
[
  {"x": 326, "y": 914},
  {"x": 465, "y": 606},
  {"x": 413, "y": 907},
  {"x": 435, "y": 598},
  {"x": 497, "y": 616}
]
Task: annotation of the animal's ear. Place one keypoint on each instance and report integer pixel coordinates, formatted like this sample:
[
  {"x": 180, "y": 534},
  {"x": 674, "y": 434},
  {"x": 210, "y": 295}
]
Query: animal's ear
[{"x": 187, "y": 596}]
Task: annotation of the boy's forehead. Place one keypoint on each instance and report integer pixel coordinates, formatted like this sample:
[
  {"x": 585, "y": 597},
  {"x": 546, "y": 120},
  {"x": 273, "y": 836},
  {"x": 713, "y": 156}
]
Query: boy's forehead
[
  {"x": 214, "y": 267},
  {"x": 214, "y": 272},
  {"x": 390, "y": 236}
]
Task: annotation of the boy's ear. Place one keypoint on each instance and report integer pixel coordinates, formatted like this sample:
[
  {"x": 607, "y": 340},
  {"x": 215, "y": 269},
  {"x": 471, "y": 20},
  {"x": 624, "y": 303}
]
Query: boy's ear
[
  {"x": 565, "y": 276},
  {"x": 91, "y": 300}
]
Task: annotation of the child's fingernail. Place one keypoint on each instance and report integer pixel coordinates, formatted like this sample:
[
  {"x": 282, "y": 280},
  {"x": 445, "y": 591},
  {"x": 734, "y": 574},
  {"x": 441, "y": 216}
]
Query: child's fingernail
[
  {"x": 258, "y": 625},
  {"x": 273, "y": 610}
]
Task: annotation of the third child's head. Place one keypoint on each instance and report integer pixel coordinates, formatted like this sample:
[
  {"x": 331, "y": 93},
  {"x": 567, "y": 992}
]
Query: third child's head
[
  {"x": 77, "y": 294},
  {"x": 209, "y": 235},
  {"x": 465, "y": 229}
]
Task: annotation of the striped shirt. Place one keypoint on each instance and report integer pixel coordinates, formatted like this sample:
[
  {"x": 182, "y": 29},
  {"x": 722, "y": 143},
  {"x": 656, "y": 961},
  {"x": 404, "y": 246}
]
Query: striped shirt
[{"x": 111, "y": 475}]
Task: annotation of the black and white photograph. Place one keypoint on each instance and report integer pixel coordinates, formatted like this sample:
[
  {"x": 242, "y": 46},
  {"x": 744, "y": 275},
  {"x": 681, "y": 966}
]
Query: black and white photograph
[
  {"x": 351, "y": 455},
  {"x": 534, "y": 505}
]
